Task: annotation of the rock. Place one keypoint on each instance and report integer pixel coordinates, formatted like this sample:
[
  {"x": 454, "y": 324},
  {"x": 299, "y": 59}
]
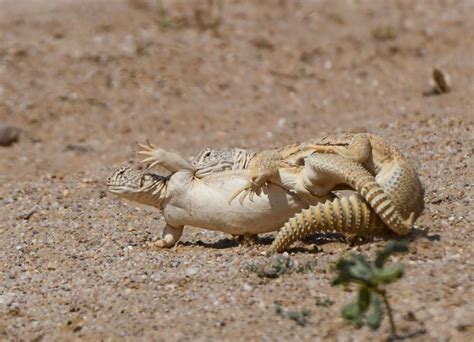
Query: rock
[
  {"x": 441, "y": 81},
  {"x": 262, "y": 43},
  {"x": 8, "y": 135},
  {"x": 191, "y": 271},
  {"x": 247, "y": 287}
]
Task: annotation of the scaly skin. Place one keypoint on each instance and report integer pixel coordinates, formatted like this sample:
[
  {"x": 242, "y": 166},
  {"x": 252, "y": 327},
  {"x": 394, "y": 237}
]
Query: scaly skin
[
  {"x": 364, "y": 213},
  {"x": 207, "y": 162},
  {"x": 265, "y": 166},
  {"x": 210, "y": 160},
  {"x": 383, "y": 160},
  {"x": 394, "y": 174},
  {"x": 325, "y": 171},
  {"x": 349, "y": 215},
  {"x": 391, "y": 169},
  {"x": 202, "y": 202}
]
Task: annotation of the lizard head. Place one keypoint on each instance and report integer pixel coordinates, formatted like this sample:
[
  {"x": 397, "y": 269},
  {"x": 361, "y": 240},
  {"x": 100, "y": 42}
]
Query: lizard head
[{"x": 141, "y": 187}]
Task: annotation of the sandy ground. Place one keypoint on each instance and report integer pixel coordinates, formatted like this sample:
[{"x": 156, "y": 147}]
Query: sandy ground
[{"x": 84, "y": 80}]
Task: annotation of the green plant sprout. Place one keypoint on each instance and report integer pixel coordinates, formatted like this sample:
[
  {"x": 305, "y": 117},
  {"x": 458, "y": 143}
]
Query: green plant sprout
[
  {"x": 163, "y": 17},
  {"x": 300, "y": 317},
  {"x": 278, "y": 265},
  {"x": 370, "y": 276}
]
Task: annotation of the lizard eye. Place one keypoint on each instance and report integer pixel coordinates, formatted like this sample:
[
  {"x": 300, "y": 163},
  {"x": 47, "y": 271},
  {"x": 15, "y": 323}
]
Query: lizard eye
[{"x": 205, "y": 155}]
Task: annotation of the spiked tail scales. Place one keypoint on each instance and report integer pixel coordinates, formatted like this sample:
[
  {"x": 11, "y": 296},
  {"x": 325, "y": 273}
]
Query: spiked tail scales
[
  {"x": 402, "y": 185},
  {"x": 347, "y": 215},
  {"x": 356, "y": 176}
]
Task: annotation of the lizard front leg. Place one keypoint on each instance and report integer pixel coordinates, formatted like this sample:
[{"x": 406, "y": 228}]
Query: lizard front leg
[
  {"x": 157, "y": 156},
  {"x": 169, "y": 238},
  {"x": 263, "y": 168}
]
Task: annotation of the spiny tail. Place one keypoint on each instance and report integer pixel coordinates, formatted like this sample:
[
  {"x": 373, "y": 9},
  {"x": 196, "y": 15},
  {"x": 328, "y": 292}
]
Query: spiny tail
[
  {"x": 382, "y": 204},
  {"x": 356, "y": 176},
  {"x": 347, "y": 215}
]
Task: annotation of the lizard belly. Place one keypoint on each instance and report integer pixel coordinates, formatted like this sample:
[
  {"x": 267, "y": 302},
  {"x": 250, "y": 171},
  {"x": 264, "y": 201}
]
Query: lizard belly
[{"x": 206, "y": 205}]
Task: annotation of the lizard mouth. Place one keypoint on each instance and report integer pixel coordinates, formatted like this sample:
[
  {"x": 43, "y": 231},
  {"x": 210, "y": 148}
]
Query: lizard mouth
[
  {"x": 117, "y": 189},
  {"x": 144, "y": 184}
]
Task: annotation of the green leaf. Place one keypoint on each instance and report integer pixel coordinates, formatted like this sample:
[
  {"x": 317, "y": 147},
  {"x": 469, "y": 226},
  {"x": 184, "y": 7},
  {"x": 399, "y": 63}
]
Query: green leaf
[
  {"x": 367, "y": 308},
  {"x": 351, "y": 311},
  {"x": 361, "y": 270},
  {"x": 390, "y": 273},
  {"x": 375, "y": 315},
  {"x": 342, "y": 278},
  {"x": 343, "y": 265},
  {"x": 354, "y": 269},
  {"x": 364, "y": 299},
  {"x": 354, "y": 311},
  {"x": 391, "y": 248}
]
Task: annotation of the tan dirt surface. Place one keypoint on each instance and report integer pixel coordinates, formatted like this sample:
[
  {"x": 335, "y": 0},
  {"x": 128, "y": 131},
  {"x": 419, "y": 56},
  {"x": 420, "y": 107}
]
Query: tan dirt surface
[{"x": 84, "y": 80}]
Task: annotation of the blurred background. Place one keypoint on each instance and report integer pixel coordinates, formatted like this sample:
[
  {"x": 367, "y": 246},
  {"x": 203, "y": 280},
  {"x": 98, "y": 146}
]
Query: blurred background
[{"x": 98, "y": 75}]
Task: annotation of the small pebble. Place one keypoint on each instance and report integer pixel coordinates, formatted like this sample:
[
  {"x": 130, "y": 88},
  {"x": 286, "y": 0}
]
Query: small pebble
[
  {"x": 441, "y": 81},
  {"x": 9, "y": 135},
  {"x": 247, "y": 287},
  {"x": 191, "y": 271}
]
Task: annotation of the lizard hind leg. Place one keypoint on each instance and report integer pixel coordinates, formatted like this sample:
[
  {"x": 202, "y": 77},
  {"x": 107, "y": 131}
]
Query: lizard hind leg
[
  {"x": 314, "y": 180},
  {"x": 360, "y": 179},
  {"x": 247, "y": 239}
]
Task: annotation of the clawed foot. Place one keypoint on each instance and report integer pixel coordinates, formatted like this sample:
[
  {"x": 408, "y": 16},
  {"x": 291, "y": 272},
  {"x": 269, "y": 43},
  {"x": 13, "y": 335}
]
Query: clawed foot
[
  {"x": 168, "y": 160},
  {"x": 247, "y": 239},
  {"x": 153, "y": 152},
  {"x": 154, "y": 244},
  {"x": 256, "y": 188},
  {"x": 249, "y": 190},
  {"x": 158, "y": 244}
]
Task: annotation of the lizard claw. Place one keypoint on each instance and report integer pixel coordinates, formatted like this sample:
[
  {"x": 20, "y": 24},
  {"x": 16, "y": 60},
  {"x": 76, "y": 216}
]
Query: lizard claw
[
  {"x": 242, "y": 191},
  {"x": 249, "y": 190},
  {"x": 254, "y": 190},
  {"x": 243, "y": 196},
  {"x": 147, "y": 149},
  {"x": 150, "y": 145}
]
